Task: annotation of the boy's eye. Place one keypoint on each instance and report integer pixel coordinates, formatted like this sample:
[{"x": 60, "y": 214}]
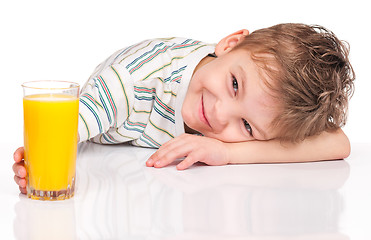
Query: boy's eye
[
  {"x": 247, "y": 126},
  {"x": 234, "y": 84}
]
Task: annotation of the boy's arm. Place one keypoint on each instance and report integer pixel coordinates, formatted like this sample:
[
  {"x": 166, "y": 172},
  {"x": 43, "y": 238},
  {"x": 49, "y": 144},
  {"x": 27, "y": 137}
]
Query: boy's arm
[
  {"x": 105, "y": 102},
  {"x": 326, "y": 146}
]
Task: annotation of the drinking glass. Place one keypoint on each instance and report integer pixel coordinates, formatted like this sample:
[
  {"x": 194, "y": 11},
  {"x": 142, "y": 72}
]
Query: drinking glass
[{"x": 50, "y": 138}]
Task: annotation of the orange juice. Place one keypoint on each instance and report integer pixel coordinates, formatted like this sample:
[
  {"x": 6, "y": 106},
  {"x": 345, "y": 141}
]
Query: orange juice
[{"x": 50, "y": 141}]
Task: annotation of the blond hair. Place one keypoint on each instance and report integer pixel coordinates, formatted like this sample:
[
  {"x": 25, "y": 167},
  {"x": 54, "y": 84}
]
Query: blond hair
[{"x": 312, "y": 77}]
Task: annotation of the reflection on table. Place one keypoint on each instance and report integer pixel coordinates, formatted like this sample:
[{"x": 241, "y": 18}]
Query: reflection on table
[{"x": 118, "y": 197}]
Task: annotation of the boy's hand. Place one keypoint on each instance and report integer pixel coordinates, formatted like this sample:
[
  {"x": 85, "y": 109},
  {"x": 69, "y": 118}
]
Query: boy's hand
[
  {"x": 20, "y": 170},
  {"x": 193, "y": 148}
]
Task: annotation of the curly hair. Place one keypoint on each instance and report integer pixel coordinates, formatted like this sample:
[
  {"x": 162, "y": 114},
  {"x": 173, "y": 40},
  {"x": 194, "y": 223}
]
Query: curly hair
[{"x": 312, "y": 77}]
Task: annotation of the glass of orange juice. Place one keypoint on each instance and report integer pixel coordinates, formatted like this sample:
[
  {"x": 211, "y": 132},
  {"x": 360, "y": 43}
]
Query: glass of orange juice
[{"x": 50, "y": 138}]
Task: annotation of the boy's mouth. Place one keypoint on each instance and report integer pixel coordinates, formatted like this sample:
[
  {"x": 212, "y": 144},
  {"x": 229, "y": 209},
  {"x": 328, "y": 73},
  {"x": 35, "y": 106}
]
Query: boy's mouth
[{"x": 202, "y": 113}]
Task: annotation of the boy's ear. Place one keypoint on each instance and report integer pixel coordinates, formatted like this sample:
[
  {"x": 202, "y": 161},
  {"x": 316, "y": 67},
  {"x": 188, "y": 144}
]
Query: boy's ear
[{"x": 230, "y": 41}]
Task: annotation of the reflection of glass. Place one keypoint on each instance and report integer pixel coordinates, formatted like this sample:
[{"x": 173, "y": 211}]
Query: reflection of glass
[
  {"x": 44, "y": 220},
  {"x": 50, "y": 138}
]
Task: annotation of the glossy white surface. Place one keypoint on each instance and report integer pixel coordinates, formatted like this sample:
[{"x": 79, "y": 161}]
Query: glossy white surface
[{"x": 118, "y": 197}]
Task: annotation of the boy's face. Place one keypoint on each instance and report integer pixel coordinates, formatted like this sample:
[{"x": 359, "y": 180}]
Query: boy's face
[{"x": 227, "y": 99}]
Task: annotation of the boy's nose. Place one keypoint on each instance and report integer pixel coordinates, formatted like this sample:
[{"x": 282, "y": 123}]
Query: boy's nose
[{"x": 224, "y": 115}]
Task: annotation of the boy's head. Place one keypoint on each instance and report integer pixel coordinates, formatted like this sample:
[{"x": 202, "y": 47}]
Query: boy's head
[
  {"x": 289, "y": 81},
  {"x": 313, "y": 77}
]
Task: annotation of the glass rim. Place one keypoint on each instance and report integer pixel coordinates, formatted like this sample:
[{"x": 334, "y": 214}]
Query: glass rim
[{"x": 29, "y": 85}]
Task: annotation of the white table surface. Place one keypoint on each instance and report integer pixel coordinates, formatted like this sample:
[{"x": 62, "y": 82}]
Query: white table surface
[{"x": 118, "y": 197}]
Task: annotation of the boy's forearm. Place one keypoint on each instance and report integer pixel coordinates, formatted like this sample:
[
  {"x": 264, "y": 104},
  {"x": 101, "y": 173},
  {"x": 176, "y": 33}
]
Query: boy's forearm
[{"x": 326, "y": 146}]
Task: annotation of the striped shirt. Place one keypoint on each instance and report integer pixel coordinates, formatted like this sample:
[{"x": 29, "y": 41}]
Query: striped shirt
[{"x": 136, "y": 95}]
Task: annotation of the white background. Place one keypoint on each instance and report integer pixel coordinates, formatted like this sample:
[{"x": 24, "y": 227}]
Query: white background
[{"x": 65, "y": 40}]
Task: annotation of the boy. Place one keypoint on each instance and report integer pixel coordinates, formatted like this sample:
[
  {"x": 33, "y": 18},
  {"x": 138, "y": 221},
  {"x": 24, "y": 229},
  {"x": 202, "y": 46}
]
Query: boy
[{"x": 279, "y": 94}]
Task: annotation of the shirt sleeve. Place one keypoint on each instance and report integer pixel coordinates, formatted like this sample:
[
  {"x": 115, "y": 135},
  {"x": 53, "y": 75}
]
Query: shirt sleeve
[{"x": 106, "y": 100}]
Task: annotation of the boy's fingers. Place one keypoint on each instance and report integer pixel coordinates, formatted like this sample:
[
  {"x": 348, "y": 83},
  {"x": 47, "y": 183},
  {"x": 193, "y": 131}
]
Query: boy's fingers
[
  {"x": 187, "y": 162},
  {"x": 149, "y": 162},
  {"x": 170, "y": 155},
  {"x": 20, "y": 181},
  {"x": 163, "y": 160},
  {"x": 164, "y": 150},
  {"x": 23, "y": 190},
  {"x": 19, "y": 154},
  {"x": 172, "y": 150},
  {"x": 19, "y": 169}
]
